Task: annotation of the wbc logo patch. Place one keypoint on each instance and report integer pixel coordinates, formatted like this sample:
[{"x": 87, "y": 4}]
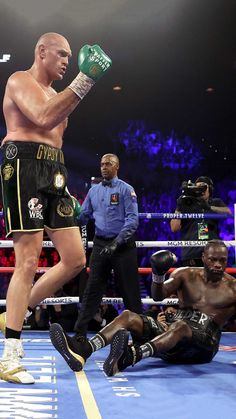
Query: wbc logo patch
[
  {"x": 35, "y": 208},
  {"x": 115, "y": 199}
]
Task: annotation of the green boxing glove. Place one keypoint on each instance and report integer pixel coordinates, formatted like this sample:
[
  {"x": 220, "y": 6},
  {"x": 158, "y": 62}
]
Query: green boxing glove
[
  {"x": 76, "y": 207},
  {"x": 93, "y": 63}
]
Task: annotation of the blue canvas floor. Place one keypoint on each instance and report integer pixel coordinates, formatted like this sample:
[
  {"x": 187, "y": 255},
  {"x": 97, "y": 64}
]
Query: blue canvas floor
[{"x": 152, "y": 389}]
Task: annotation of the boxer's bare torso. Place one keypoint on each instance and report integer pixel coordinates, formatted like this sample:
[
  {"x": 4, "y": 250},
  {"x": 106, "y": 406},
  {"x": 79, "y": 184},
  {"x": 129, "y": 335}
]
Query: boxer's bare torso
[{"x": 19, "y": 126}]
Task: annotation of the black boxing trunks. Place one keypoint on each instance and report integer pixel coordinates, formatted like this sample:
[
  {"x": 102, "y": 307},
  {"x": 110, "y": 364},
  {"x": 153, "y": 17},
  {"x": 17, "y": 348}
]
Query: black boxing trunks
[
  {"x": 204, "y": 343},
  {"x": 34, "y": 191},
  {"x": 151, "y": 329}
]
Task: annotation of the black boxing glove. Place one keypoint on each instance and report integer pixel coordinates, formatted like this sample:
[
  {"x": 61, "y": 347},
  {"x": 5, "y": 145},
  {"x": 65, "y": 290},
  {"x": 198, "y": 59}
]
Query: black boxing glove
[
  {"x": 109, "y": 249},
  {"x": 161, "y": 262}
]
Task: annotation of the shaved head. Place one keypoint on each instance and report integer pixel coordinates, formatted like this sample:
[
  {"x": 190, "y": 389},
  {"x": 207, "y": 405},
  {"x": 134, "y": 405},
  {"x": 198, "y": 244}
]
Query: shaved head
[{"x": 52, "y": 38}]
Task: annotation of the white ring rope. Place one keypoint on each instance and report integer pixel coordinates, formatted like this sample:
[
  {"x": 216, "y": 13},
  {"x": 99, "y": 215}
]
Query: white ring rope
[
  {"x": 166, "y": 243},
  {"x": 105, "y": 300}
]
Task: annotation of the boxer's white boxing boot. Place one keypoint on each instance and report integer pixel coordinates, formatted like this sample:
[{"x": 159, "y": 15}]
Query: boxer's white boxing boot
[
  {"x": 20, "y": 348},
  {"x": 11, "y": 369}
]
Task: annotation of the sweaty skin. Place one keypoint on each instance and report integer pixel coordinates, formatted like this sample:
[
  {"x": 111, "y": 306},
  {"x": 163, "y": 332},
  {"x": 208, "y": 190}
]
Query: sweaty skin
[
  {"x": 209, "y": 289},
  {"x": 34, "y": 112},
  {"x": 32, "y": 109},
  {"x": 207, "y": 299}
]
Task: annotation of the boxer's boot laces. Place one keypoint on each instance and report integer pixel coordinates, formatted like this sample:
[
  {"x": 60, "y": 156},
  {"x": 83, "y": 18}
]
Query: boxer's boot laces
[
  {"x": 11, "y": 369},
  {"x": 121, "y": 355}
]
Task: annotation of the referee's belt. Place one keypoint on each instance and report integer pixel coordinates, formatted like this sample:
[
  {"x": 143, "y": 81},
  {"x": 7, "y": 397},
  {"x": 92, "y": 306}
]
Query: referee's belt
[
  {"x": 105, "y": 238},
  {"x": 31, "y": 150}
]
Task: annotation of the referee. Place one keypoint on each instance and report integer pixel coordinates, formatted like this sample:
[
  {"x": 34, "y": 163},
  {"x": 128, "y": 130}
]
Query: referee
[{"x": 113, "y": 205}]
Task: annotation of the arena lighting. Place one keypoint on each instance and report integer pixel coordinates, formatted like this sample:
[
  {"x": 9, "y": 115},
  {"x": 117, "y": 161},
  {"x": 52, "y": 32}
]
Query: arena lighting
[
  {"x": 5, "y": 58},
  {"x": 210, "y": 89}
]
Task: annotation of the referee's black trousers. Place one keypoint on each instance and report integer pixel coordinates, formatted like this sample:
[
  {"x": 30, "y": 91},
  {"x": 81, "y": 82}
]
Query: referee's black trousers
[{"x": 125, "y": 266}]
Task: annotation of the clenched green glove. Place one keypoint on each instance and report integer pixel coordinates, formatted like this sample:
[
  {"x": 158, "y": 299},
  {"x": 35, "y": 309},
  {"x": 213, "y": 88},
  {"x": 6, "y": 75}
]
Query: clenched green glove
[{"x": 93, "y": 63}]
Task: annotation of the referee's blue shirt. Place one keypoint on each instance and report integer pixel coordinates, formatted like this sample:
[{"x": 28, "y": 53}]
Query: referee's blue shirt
[{"x": 114, "y": 209}]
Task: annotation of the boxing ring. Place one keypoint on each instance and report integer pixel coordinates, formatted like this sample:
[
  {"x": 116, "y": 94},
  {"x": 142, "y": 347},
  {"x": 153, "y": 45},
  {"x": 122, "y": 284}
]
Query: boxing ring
[{"x": 152, "y": 389}]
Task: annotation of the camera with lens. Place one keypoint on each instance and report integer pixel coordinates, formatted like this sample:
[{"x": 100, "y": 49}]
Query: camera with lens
[
  {"x": 169, "y": 316},
  {"x": 191, "y": 193}
]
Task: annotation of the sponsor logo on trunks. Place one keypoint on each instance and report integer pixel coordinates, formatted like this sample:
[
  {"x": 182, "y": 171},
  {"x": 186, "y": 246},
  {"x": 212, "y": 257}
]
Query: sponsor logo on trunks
[
  {"x": 50, "y": 153},
  {"x": 65, "y": 210},
  {"x": 115, "y": 198},
  {"x": 11, "y": 151},
  {"x": 152, "y": 322},
  {"x": 35, "y": 209},
  {"x": 8, "y": 171},
  {"x": 193, "y": 316},
  {"x": 59, "y": 181}
]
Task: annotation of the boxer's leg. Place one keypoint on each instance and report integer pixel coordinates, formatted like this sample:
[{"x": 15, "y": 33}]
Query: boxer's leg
[
  {"x": 121, "y": 355},
  {"x": 76, "y": 352},
  {"x": 27, "y": 248},
  {"x": 72, "y": 260}
]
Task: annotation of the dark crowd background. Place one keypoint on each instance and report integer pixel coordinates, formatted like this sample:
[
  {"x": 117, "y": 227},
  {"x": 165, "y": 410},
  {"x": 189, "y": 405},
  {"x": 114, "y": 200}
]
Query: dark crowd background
[
  {"x": 166, "y": 108},
  {"x": 155, "y": 164}
]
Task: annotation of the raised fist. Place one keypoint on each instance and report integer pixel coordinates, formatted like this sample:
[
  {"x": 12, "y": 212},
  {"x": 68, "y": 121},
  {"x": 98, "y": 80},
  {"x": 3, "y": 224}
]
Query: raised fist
[
  {"x": 93, "y": 62},
  {"x": 162, "y": 261}
]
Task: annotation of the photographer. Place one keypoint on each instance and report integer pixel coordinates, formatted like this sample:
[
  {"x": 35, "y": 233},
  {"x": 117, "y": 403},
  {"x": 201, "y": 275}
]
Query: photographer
[{"x": 197, "y": 198}]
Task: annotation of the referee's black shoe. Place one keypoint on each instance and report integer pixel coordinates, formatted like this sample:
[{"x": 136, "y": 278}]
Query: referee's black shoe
[
  {"x": 121, "y": 354},
  {"x": 74, "y": 350}
]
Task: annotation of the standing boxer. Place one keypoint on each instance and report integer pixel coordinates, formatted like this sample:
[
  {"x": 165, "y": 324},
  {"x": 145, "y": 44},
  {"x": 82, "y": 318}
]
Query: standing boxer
[{"x": 34, "y": 181}]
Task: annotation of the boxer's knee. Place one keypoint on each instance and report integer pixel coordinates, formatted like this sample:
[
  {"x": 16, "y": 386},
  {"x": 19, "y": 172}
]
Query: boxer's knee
[
  {"x": 126, "y": 315},
  {"x": 181, "y": 328},
  {"x": 129, "y": 319},
  {"x": 78, "y": 264},
  {"x": 74, "y": 263},
  {"x": 27, "y": 266}
]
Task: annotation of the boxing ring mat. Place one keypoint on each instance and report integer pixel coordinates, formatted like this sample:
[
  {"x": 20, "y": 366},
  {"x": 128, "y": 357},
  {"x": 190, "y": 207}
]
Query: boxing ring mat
[{"x": 151, "y": 389}]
